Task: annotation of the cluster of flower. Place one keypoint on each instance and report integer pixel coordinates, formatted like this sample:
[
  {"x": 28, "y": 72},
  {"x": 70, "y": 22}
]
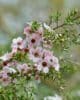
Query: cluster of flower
[{"x": 42, "y": 58}]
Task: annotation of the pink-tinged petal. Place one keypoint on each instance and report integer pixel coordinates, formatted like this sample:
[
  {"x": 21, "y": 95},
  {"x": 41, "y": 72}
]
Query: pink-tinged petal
[
  {"x": 6, "y": 56},
  {"x": 17, "y": 43},
  {"x": 39, "y": 67},
  {"x": 23, "y": 44},
  {"x": 45, "y": 70},
  {"x": 43, "y": 66},
  {"x": 35, "y": 40},
  {"x": 9, "y": 70},
  {"x": 55, "y": 63},
  {"x": 17, "y": 40},
  {"x": 47, "y": 53},
  {"x": 4, "y": 78},
  {"x": 40, "y": 31},
  {"x": 22, "y": 68},
  {"x": 27, "y": 30},
  {"x": 57, "y": 67},
  {"x": 14, "y": 50},
  {"x": 35, "y": 54}
]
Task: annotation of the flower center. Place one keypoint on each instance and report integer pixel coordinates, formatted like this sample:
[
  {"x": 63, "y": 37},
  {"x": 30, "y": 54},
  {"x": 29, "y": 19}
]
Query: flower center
[
  {"x": 0, "y": 77},
  {"x": 19, "y": 43},
  {"x": 33, "y": 40},
  {"x": 51, "y": 60},
  {"x": 5, "y": 79},
  {"x": 22, "y": 69},
  {"x": 26, "y": 49},
  {"x": 44, "y": 64},
  {"x": 5, "y": 63},
  {"x": 36, "y": 54}
]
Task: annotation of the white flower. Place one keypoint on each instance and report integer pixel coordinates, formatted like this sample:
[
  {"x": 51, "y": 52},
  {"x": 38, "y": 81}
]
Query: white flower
[
  {"x": 57, "y": 67},
  {"x": 14, "y": 49},
  {"x": 39, "y": 67},
  {"x": 45, "y": 69},
  {"x": 14, "y": 41},
  {"x": 17, "y": 43},
  {"x": 56, "y": 97},
  {"x": 35, "y": 54},
  {"x": 35, "y": 40},
  {"x": 53, "y": 62},
  {"x": 43, "y": 66},
  {"x": 9, "y": 70},
  {"x": 22, "y": 68},
  {"x": 19, "y": 39},
  {"x": 47, "y": 27},
  {"x": 4, "y": 78},
  {"x": 6, "y": 57},
  {"x": 23, "y": 44},
  {"x": 56, "y": 63}
]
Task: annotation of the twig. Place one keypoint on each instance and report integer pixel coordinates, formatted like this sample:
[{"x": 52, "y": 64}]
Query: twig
[
  {"x": 64, "y": 24},
  {"x": 57, "y": 20}
]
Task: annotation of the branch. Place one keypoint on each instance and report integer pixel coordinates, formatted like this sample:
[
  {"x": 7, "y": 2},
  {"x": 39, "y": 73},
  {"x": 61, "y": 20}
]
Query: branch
[{"x": 64, "y": 24}]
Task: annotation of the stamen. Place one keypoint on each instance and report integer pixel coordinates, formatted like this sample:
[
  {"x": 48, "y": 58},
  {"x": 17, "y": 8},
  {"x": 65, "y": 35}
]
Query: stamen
[
  {"x": 44, "y": 64},
  {"x": 33, "y": 40}
]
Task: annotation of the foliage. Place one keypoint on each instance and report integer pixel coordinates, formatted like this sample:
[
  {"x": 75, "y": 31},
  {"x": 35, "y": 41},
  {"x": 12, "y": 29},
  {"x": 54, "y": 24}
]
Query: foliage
[{"x": 61, "y": 39}]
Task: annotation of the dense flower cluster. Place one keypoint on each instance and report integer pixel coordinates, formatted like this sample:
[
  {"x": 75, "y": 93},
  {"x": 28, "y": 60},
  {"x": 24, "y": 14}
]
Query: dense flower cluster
[{"x": 32, "y": 45}]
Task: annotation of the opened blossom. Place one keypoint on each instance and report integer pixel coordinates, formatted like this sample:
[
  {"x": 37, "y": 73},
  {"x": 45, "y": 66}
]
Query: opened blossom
[
  {"x": 40, "y": 31},
  {"x": 17, "y": 41},
  {"x": 36, "y": 54},
  {"x": 16, "y": 44},
  {"x": 47, "y": 53},
  {"x": 47, "y": 61},
  {"x": 6, "y": 57},
  {"x": 27, "y": 30},
  {"x": 53, "y": 62},
  {"x": 35, "y": 40},
  {"x": 8, "y": 69},
  {"x": 23, "y": 68},
  {"x": 4, "y": 78},
  {"x": 43, "y": 66}
]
